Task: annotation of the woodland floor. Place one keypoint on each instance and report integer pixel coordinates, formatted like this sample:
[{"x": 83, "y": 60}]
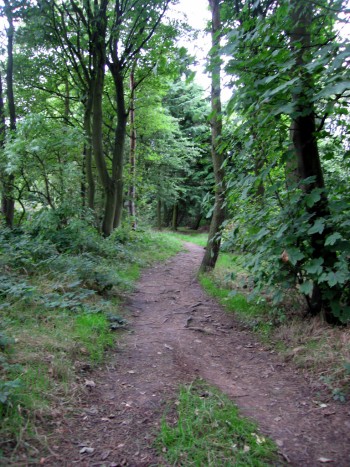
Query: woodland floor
[{"x": 180, "y": 334}]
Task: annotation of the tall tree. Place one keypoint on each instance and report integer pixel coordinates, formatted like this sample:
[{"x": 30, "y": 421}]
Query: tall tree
[
  {"x": 214, "y": 239},
  {"x": 132, "y": 160},
  {"x": 290, "y": 73},
  {"x": 8, "y": 199}
]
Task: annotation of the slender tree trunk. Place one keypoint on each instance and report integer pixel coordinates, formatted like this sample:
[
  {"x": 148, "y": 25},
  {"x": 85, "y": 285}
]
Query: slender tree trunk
[
  {"x": 258, "y": 165},
  {"x": 132, "y": 188},
  {"x": 8, "y": 201},
  {"x": 119, "y": 143},
  {"x": 197, "y": 222},
  {"x": 214, "y": 239},
  {"x": 159, "y": 214},
  {"x": 2, "y": 145},
  {"x": 303, "y": 132},
  {"x": 67, "y": 101},
  {"x": 175, "y": 217},
  {"x": 88, "y": 156},
  {"x": 99, "y": 63}
]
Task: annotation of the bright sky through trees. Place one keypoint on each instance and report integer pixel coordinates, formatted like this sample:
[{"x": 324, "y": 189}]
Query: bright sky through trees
[{"x": 197, "y": 15}]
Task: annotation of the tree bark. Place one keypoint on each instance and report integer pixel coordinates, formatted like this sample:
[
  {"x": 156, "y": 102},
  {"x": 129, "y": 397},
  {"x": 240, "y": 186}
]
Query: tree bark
[
  {"x": 119, "y": 143},
  {"x": 88, "y": 154},
  {"x": 175, "y": 216},
  {"x": 8, "y": 201},
  {"x": 303, "y": 133},
  {"x": 99, "y": 63},
  {"x": 214, "y": 239},
  {"x": 197, "y": 222},
  {"x": 159, "y": 214},
  {"x": 132, "y": 187}
]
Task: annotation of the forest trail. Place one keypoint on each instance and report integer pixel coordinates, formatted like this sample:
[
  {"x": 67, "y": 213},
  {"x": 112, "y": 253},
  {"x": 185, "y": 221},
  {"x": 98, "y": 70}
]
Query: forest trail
[{"x": 180, "y": 334}]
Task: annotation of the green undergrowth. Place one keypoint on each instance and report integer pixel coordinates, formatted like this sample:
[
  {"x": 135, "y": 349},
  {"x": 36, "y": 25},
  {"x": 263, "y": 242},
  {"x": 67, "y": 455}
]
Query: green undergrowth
[
  {"x": 60, "y": 311},
  {"x": 207, "y": 429},
  {"x": 229, "y": 284}
]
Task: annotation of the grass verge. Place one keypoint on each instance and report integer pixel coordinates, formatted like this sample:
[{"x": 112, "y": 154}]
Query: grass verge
[
  {"x": 59, "y": 316},
  {"x": 208, "y": 430}
]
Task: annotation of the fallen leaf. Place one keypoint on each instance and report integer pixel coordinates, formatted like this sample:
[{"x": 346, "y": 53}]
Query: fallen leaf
[
  {"x": 259, "y": 439},
  {"x": 246, "y": 448},
  {"x": 279, "y": 442},
  {"x": 90, "y": 383},
  {"x": 86, "y": 450},
  {"x": 104, "y": 455},
  {"x": 277, "y": 419}
]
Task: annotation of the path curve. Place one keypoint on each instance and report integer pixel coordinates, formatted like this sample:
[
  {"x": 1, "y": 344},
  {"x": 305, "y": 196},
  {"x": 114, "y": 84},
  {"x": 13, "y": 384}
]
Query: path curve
[{"x": 179, "y": 334}]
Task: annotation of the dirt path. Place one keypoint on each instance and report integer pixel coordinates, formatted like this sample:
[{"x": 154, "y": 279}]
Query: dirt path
[{"x": 180, "y": 334}]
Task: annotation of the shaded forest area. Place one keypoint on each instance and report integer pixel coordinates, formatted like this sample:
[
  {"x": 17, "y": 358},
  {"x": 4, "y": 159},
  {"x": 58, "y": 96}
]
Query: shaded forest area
[{"x": 106, "y": 138}]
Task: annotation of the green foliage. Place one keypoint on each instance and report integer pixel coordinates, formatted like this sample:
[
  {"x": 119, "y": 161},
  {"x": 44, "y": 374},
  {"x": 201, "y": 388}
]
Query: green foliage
[
  {"x": 44, "y": 154},
  {"x": 210, "y": 431},
  {"x": 293, "y": 232},
  {"x": 280, "y": 255}
]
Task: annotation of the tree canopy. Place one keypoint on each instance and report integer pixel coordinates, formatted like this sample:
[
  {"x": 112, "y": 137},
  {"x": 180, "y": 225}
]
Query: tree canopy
[{"x": 101, "y": 119}]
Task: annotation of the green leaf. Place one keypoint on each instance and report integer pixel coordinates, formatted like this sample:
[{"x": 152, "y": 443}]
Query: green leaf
[
  {"x": 318, "y": 227},
  {"x": 262, "y": 233},
  {"x": 312, "y": 198},
  {"x": 294, "y": 255},
  {"x": 315, "y": 266},
  {"x": 306, "y": 288},
  {"x": 336, "y": 277},
  {"x": 331, "y": 240}
]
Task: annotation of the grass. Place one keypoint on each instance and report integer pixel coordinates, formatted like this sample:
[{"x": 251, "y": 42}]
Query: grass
[
  {"x": 185, "y": 235},
  {"x": 228, "y": 284},
  {"x": 209, "y": 431},
  {"x": 45, "y": 343}
]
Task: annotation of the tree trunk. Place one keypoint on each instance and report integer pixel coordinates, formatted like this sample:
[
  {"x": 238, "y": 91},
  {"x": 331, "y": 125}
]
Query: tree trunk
[
  {"x": 88, "y": 155},
  {"x": 214, "y": 239},
  {"x": 175, "y": 216},
  {"x": 132, "y": 188},
  {"x": 99, "y": 63},
  {"x": 159, "y": 214},
  {"x": 197, "y": 222},
  {"x": 8, "y": 201},
  {"x": 4, "y": 176},
  {"x": 67, "y": 102},
  {"x": 119, "y": 141},
  {"x": 305, "y": 145}
]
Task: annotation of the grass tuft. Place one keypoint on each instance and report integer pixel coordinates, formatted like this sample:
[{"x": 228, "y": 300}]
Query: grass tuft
[{"x": 208, "y": 430}]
